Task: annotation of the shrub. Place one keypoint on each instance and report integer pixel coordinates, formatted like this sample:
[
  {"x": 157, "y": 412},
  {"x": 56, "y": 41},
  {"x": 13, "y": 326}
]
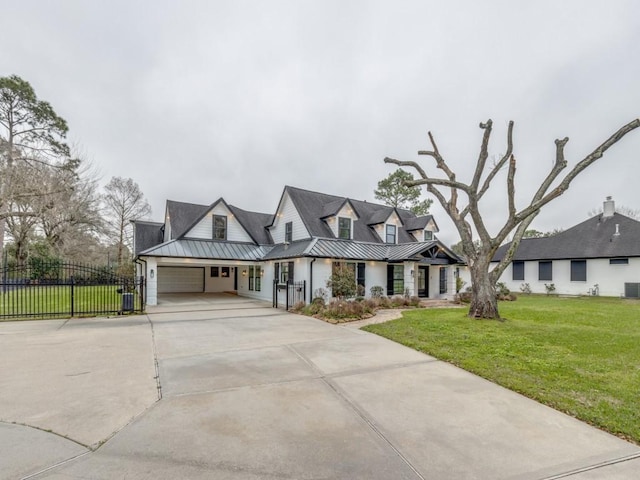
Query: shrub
[
  {"x": 414, "y": 301},
  {"x": 372, "y": 304},
  {"x": 321, "y": 293},
  {"x": 502, "y": 290},
  {"x": 297, "y": 307},
  {"x": 359, "y": 299},
  {"x": 550, "y": 288},
  {"x": 361, "y": 291},
  {"x": 459, "y": 283},
  {"x": 399, "y": 301},
  {"x": 384, "y": 302},
  {"x": 376, "y": 291},
  {"x": 342, "y": 282},
  {"x": 525, "y": 288}
]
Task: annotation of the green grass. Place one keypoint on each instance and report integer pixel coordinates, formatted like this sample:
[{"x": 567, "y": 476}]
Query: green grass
[
  {"x": 30, "y": 303},
  {"x": 578, "y": 355}
]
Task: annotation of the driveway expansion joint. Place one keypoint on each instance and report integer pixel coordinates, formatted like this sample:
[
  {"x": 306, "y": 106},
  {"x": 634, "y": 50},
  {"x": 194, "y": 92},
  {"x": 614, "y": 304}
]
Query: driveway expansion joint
[{"x": 596, "y": 466}]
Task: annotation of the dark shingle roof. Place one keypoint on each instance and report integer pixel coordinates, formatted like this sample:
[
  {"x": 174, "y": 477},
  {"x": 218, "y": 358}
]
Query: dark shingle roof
[
  {"x": 147, "y": 234},
  {"x": 182, "y": 216},
  {"x": 313, "y": 207},
  {"x": 593, "y": 238},
  {"x": 417, "y": 223},
  {"x": 255, "y": 224}
]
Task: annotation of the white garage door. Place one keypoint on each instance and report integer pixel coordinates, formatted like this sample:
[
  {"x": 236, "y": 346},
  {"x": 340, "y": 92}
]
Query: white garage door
[{"x": 180, "y": 279}]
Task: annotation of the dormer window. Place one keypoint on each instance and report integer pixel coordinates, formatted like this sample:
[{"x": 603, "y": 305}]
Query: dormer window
[
  {"x": 428, "y": 235},
  {"x": 344, "y": 228},
  {"x": 288, "y": 232},
  {"x": 390, "y": 233},
  {"x": 219, "y": 227}
]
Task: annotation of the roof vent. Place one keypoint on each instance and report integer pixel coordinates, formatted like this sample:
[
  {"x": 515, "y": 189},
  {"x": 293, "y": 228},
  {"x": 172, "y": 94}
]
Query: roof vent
[
  {"x": 617, "y": 234},
  {"x": 609, "y": 208}
]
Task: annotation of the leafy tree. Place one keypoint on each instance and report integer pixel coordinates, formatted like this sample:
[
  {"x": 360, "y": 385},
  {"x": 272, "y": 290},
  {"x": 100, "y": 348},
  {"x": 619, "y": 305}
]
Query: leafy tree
[
  {"x": 538, "y": 234},
  {"x": 30, "y": 133},
  {"x": 394, "y": 192},
  {"x": 483, "y": 280},
  {"x": 123, "y": 201}
]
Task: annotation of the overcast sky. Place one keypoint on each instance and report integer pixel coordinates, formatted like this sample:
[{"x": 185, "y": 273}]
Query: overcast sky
[{"x": 196, "y": 100}]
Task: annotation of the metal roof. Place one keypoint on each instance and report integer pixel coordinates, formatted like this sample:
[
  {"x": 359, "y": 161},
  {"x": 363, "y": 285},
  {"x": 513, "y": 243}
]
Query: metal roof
[
  {"x": 207, "y": 249},
  {"x": 425, "y": 252}
]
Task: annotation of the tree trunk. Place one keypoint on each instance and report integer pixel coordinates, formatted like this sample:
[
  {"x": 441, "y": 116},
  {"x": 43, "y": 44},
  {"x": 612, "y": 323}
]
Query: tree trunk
[{"x": 484, "y": 303}]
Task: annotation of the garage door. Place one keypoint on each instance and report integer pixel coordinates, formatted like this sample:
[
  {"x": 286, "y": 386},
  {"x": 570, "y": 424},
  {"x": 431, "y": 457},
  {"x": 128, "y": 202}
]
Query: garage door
[{"x": 180, "y": 279}]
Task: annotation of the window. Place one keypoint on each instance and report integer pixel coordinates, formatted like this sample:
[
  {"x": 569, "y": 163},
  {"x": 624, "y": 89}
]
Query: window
[
  {"x": 286, "y": 272},
  {"x": 517, "y": 270},
  {"x": 618, "y": 261},
  {"x": 428, "y": 235},
  {"x": 219, "y": 227},
  {"x": 391, "y": 233},
  {"x": 344, "y": 228},
  {"x": 255, "y": 278},
  {"x": 215, "y": 271},
  {"x": 395, "y": 279},
  {"x": 545, "y": 270},
  {"x": 288, "y": 232},
  {"x": 578, "y": 270},
  {"x": 360, "y": 278},
  {"x": 443, "y": 279},
  {"x": 224, "y": 272}
]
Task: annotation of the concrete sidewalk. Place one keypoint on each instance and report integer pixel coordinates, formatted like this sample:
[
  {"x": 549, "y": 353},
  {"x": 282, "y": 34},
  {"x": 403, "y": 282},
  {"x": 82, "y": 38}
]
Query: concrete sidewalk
[{"x": 250, "y": 392}]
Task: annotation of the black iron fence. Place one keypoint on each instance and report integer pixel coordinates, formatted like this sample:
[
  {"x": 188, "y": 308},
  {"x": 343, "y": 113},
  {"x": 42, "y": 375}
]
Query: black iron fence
[
  {"x": 49, "y": 289},
  {"x": 290, "y": 292}
]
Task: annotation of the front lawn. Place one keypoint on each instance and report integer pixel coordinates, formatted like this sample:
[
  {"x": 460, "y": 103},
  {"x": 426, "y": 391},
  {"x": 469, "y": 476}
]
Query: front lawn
[
  {"x": 578, "y": 355},
  {"x": 54, "y": 300}
]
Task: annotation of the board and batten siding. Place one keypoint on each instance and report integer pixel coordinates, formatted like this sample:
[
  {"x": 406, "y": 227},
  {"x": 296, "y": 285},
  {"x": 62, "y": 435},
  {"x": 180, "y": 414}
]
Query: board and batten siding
[
  {"x": 204, "y": 228},
  {"x": 288, "y": 213}
]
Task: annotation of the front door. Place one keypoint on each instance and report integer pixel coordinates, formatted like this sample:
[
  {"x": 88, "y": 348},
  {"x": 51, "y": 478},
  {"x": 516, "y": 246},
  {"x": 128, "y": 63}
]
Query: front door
[{"x": 423, "y": 281}]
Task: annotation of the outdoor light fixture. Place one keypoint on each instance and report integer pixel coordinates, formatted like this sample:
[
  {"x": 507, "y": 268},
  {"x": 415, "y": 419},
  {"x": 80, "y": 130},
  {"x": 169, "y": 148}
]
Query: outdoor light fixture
[
  {"x": 412, "y": 273},
  {"x": 244, "y": 273},
  {"x": 152, "y": 274}
]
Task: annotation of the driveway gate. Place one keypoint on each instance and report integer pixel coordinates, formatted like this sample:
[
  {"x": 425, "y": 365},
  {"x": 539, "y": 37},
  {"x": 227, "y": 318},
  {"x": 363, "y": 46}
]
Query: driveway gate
[
  {"x": 293, "y": 292},
  {"x": 43, "y": 289}
]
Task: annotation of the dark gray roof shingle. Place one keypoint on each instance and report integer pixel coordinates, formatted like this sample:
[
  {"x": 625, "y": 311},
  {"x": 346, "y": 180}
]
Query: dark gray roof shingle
[
  {"x": 146, "y": 234},
  {"x": 255, "y": 224},
  {"x": 593, "y": 238},
  {"x": 182, "y": 216}
]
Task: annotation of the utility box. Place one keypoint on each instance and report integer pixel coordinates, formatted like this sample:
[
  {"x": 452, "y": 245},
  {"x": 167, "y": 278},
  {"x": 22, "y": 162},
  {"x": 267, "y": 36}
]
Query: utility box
[{"x": 127, "y": 302}]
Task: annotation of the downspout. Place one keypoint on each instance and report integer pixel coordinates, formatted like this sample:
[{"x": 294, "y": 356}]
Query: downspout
[{"x": 311, "y": 279}]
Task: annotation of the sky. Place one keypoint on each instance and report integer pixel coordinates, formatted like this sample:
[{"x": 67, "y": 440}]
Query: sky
[{"x": 196, "y": 100}]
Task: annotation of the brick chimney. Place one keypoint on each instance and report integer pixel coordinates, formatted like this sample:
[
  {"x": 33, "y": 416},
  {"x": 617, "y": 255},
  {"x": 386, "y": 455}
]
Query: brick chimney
[{"x": 609, "y": 208}]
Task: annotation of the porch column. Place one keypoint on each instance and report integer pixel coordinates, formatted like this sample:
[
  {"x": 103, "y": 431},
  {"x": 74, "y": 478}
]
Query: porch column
[{"x": 152, "y": 281}]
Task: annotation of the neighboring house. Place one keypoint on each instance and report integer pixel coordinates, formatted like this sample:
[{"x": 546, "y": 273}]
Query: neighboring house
[
  {"x": 222, "y": 248},
  {"x": 600, "y": 256}
]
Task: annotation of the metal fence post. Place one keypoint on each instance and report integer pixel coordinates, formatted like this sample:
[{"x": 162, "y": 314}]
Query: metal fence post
[{"x": 72, "y": 297}]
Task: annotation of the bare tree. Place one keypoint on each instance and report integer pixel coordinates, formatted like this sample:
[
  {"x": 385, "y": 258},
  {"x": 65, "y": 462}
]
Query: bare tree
[
  {"x": 123, "y": 201},
  {"x": 30, "y": 133},
  {"x": 479, "y": 255}
]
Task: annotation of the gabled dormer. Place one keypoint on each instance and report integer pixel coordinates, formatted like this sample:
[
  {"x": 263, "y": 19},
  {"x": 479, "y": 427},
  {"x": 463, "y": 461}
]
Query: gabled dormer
[
  {"x": 423, "y": 229},
  {"x": 340, "y": 217},
  {"x": 387, "y": 225},
  {"x": 218, "y": 223},
  {"x": 288, "y": 224}
]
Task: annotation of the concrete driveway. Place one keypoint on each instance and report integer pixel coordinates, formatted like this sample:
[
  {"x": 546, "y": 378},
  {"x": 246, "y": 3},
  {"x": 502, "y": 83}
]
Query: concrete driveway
[{"x": 237, "y": 390}]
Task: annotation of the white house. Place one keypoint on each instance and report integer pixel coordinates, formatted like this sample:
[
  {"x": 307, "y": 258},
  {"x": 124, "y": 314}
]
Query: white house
[
  {"x": 222, "y": 248},
  {"x": 600, "y": 256}
]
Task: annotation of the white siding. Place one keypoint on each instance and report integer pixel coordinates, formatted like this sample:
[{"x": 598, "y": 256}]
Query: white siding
[
  {"x": 288, "y": 213},
  {"x": 204, "y": 228},
  {"x": 220, "y": 283},
  {"x": 167, "y": 228},
  {"x": 610, "y": 278}
]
